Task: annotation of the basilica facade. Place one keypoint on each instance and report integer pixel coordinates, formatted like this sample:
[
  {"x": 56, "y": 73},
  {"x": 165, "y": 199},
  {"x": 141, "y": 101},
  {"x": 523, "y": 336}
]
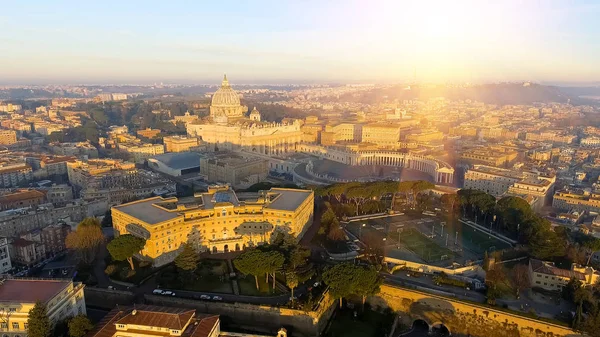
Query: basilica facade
[{"x": 228, "y": 127}]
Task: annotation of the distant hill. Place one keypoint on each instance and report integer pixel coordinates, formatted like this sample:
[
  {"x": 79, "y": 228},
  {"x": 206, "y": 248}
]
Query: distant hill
[{"x": 504, "y": 93}]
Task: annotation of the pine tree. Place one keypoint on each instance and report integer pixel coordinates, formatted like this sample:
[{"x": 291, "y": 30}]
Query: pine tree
[
  {"x": 188, "y": 258},
  {"x": 38, "y": 324}
]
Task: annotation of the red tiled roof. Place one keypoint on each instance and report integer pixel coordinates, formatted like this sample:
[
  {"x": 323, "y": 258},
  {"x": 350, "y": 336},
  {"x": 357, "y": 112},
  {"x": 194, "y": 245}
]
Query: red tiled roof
[
  {"x": 548, "y": 269},
  {"x": 21, "y": 195},
  {"x": 147, "y": 315},
  {"x": 205, "y": 326},
  {"x": 164, "y": 317}
]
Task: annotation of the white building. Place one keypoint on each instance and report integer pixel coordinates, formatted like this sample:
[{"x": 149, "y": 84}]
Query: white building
[{"x": 62, "y": 298}]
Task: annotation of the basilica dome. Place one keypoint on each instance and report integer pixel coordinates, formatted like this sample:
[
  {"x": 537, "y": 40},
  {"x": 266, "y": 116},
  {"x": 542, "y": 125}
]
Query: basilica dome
[{"x": 225, "y": 96}]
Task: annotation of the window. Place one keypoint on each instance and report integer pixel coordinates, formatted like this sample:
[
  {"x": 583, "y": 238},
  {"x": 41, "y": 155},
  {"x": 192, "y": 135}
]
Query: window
[
  {"x": 25, "y": 325},
  {"x": 12, "y": 309},
  {"x": 15, "y": 325}
]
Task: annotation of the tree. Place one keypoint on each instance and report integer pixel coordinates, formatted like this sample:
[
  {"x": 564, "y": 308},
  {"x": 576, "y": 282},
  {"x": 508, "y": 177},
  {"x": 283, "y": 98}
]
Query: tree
[
  {"x": 367, "y": 283},
  {"x": 591, "y": 325},
  {"x": 124, "y": 247},
  {"x": 336, "y": 233},
  {"x": 291, "y": 280},
  {"x": 568, "y": 291},
  {"x": 86, "y": 239},
  {"x": 592, "y": 245},
  {"x": 340, "y": 278},
  {"x": 520, "y": 278},
  {"x": 581, "y": 295},
  {"x": 107, "y": 220},
  {"x": 494, "y": 277},
  {"x": 38, "y": 323},
  {"x": 188, "y": 258},
  {"x": 79, "y": 326},
  {"x": 272, "y": 262},
  {"x": 250, "y": 262},
  {"x": 296, "y": 257},
  {"x": 449, "y": 202}
]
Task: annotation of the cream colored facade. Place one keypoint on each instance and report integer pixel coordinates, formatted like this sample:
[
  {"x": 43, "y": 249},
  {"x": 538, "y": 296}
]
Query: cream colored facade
[
  {"x": 141, "y": 152},
  {"x": 565, "y": 200},
  {"x": 102, "y": 173},
  {"x": 387, "y": 135},
  {"x": 440, "y": 171},
  {"x": 547, "y": 276},
  {"x": 215, "y": 221},
  {"x": 234, "y": 169},
  {"x": 8, "y": 137},
  {"x": 62, "y": 298},
  {"x": 229, "y": 129},
  {"x": 179, "y": 144},
  {"x": 425, "y": 137},
  {"x": 491, "y": 156}
]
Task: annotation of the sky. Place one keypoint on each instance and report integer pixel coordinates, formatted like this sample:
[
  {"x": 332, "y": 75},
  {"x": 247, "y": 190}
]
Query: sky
[{"x": 299, "y": 41}]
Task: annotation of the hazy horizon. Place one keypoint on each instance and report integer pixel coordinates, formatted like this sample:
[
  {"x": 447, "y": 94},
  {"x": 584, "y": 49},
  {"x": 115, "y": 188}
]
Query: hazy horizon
[{"x": 269, "y": 42}]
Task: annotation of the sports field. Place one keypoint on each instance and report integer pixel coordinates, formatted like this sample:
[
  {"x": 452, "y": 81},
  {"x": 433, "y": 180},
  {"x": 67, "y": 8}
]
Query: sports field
[{"x": 424, "y": 247}]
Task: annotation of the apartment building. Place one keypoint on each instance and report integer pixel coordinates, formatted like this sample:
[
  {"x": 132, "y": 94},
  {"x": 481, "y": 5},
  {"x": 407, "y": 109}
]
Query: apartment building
[
  {"x": 102, "y": 173},
  {"x": 62, "y": 298},
  {"x": 8, "y": 137},
  {"x": 550, "y": 136},
  {"x": 576, "y": 200},
  {"x": 5, "y": 263},
  {"x": 75, "y": 149},
  {"x": 27, "y": 251},
  {"x": 15, "y": 222},
  {"x": 490, "y": 156},
  {"x": 499, "y": 181},
  {"x": 22, "y": 198},
  {"x": 59, "y": 195},
  {"x": 215, "y": 221},
  {"x": 53, "y": 237},
  {"x": 140, "y": 152},
  {"x": 15, "y": 174},
  {"x": 590, "y": 142}
]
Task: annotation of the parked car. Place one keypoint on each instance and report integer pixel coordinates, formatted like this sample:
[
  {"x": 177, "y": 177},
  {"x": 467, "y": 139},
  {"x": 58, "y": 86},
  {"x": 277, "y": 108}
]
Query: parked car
[
  {"x": 217, "y": 298},
  {"x": 204, "y": 297},
  {"x": 157, "y": 292},
  {"x": 168, "y": 293},
  {"x": 111, "y": 287}
]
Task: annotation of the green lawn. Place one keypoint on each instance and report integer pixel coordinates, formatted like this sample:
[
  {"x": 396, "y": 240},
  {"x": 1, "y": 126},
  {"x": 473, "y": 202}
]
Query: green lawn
[
  {"x": 247, "y": 286},
  {"x": 367, "y": 324},
  {"x": 424, "y": 247}
]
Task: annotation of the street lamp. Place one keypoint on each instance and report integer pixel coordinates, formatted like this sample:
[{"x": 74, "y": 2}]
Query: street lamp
[{"x": 360, "y": 231}]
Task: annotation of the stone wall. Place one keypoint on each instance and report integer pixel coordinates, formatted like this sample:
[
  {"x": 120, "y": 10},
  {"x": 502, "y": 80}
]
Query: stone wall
[
  {"x": 264, "y": 319},
  {"x": 107, "y": 298},
  {"x": 463, "y": 318}
]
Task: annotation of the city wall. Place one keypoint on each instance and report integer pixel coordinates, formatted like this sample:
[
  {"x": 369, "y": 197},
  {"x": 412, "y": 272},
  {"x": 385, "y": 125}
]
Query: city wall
[
  {"x": 462, "y": 318},
  {"x": 107, "y": 298},
  {"x": 266, "y": 318}
]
